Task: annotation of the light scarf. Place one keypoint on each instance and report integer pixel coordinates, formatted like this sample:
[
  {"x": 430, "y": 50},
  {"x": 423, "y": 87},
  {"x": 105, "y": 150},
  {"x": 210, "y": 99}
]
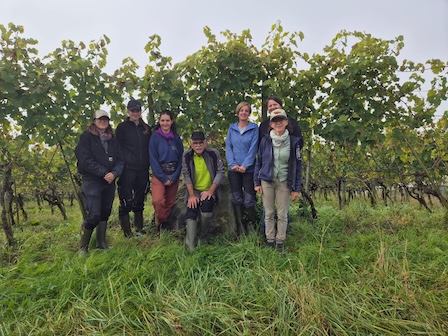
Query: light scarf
[{"x": 278, "y": 140}]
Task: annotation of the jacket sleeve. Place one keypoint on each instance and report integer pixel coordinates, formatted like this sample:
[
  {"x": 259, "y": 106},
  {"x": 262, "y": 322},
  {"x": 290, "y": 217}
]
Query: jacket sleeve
[
  {"x": 180, "y": 148},
  {"x": 298, "y": 157},
  {"x": 258, "y": 163},
  {"x": 231, "y": 162},
  {"x": 154, "y": 160},
  {"x": 219, "y": 169},
  {"x": 250, "y": 157},
  {"x": 86, "y": 160},
  {"x": 185, "y": 170},
  {"x": 119, "y": 164}
]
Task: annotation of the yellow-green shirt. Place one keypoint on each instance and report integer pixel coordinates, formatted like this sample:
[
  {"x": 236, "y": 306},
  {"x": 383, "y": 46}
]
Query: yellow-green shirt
[{"x": 203, "y": 180}]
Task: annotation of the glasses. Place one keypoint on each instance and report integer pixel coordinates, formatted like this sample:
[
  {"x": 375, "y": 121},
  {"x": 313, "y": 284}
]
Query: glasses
[
  {"x": 103, "y": 119},
  {"x": 198, "y": 143},
  {"x": 135, "y": 110}
]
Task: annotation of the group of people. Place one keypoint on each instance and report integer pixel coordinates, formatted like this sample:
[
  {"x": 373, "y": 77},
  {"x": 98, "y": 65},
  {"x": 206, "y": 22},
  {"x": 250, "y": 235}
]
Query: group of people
[{"x": 263, "y": 159}]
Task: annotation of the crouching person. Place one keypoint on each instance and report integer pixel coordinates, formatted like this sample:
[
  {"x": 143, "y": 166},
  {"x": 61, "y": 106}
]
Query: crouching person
[
  {"x": 203, "y": 172},
  {"x": 99, "y": 163}
]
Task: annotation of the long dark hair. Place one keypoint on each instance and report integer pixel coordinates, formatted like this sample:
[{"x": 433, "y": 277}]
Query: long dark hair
[
  {"x": 171, "y": 115},
  {"x": 94, "y": 130},
  {"x": 276, "y": 99}
]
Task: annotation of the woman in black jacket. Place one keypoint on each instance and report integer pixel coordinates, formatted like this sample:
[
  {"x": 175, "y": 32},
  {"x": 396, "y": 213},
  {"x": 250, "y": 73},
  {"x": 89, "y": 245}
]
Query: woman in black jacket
[
  {"x": 133, "y": 135},
  {"x": 99, "y": 163}
]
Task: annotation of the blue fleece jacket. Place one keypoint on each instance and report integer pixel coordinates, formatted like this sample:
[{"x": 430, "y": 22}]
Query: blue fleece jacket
[
  {"x": 163, "y": 151},
  {"x": 241, "y": 149}
]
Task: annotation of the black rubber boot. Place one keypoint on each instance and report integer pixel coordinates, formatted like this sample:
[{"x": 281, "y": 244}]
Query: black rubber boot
[
  {"x": 249, "y": 218},
  {"x": 164, "y": 227},
  {"x": 85, "y": 240},
  {"x": 238, "y": 212},
  {"x": 126, "y": 226},
  {"x": 101, "y": 236},
  {"x": 138, "y": 223}
]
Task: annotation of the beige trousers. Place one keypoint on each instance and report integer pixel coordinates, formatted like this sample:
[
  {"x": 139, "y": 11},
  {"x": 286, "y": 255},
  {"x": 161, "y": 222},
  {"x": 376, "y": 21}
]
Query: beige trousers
[{"x": 275, "y": 195}]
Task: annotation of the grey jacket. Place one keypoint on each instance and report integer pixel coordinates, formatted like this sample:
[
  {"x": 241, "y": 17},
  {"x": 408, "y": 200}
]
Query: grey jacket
[{"x": 214, "y": 164}]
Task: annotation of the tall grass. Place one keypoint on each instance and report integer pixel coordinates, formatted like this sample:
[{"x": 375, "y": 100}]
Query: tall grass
[{"x": 361, "y": 271}]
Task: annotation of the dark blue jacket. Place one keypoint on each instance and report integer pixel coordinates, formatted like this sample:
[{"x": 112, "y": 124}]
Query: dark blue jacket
[
  {"x": 264, "y": 166},
  {"x": 163, "y": 151}
]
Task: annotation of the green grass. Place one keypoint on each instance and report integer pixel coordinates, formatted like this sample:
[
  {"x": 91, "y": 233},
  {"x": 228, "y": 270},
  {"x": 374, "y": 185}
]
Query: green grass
[{"x": 360, "y": 271}]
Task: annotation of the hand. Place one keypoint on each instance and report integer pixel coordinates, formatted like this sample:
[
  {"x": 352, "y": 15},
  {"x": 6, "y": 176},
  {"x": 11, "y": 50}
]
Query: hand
[
  {"x": 259, "y": 190},
  {"x": 206, "y": 195},
  {"x": 294, "y": 195},
  {"x": 242, "y": 169},
  {"x": 109, "y": 177},
  {"x": 193, "y": 201},
  {"x": 168, "y": 183},
  {"x": 235, "y": 168}
]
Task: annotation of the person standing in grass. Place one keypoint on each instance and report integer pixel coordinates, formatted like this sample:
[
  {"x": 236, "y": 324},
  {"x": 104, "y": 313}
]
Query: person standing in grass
[
  {"x": 165, "y": 153},
  {"x": 278, "y": 175},
  {"x": 203, "y": 171},
  {"x": 100, "y": 163},
  {"x": 133, "y": 134},
  {"x": 273, "y": 103},
  {"x": 241, "y": 149}
]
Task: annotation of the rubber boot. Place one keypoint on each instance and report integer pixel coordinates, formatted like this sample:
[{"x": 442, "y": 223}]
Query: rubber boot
[
  {"x": 238, "y": 212},
  {"x": 138, "y": 223},
  {"x": 204, "y": 227},
  {"x": 163, "y": 227},
  {"x": 126, "y": 226},
  {"x": 249, "y": 218},
  {"x": 191, "y": 233},
  {"x": 101, "y": 235},
  {"x": 85, "y": 240}
]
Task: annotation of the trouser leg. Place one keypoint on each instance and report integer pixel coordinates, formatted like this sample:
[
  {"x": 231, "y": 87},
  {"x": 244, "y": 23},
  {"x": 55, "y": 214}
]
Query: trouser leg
[{"x": 268, "y": 198}]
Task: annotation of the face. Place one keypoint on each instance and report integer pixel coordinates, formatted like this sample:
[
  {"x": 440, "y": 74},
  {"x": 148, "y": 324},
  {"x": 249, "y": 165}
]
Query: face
[
  {"x": 279, "y": 125},
  {"x": 198, "y": 146},
  {"x": 135, "y": 114},
  {"x": 244, "y": 113},
  {"x": 165, "y": 123},
  {"x": 102, "y": 123},
  {"x": 273, "y": 105}
]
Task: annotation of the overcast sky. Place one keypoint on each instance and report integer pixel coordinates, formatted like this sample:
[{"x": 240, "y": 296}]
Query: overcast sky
[{"x": 180, "y": 23}]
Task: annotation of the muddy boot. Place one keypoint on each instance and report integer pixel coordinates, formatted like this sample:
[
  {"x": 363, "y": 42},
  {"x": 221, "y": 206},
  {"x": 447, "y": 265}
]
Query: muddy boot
[
  {"x": 101, "y": 236},
  {"x": 191, "y": 233},
  {"x": 126, "y": 226},
  {"x": 85, "y": 240},
  {"x": 138, "y": 223},
  {"x": 238, "y": 212},
  {"x": 249, "y": 218}
]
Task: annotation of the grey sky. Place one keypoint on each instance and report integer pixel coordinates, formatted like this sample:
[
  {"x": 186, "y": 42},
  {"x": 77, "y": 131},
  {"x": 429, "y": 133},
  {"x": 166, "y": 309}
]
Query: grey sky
[
  {"x": 180, "y": 23},
  {"x": 128, "y": 24}
]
